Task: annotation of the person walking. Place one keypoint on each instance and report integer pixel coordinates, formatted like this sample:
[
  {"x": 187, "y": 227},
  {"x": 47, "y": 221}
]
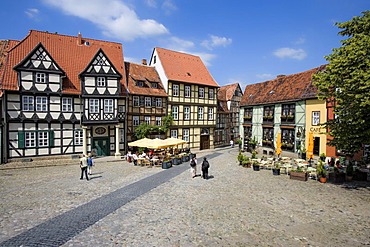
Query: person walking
[
  {"x": 193, "y": 167},
  {"x": 205, "y": 167},
  {"x": 90, "y": 163},
  {"x": 83, "y": 165}
]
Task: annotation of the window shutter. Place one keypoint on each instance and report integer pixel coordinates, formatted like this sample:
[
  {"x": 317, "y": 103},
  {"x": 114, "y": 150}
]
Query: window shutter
[
  {"x": 21, "y": 139},
  {"x": 51, "y": 138}
]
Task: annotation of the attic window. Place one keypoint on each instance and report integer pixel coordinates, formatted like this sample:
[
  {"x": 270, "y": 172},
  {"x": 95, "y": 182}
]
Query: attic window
[
  {"x": 188, "y": 73},
  {"x": 87, "y": 43},
  {"x": 139, "y": 84},
  {"x": 272, "y": 91},
  {"x": 154, "y": 85},
  {"x": 251, "y": 95}
]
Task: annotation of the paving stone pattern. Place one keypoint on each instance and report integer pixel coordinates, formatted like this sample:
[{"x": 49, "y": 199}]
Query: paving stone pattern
[{"x": 124, "y": 205}]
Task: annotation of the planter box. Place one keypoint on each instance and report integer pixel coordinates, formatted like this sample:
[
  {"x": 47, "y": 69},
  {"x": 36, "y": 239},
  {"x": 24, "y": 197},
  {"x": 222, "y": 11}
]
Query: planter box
[
  {"x": 185, "y": 158},
  {"x": 337, "y": 178},
  {"x": 176, "y": 161},
  {"x": 301, "y": 176},
  {"x": 166, "y": 164},
  {"x": 276, "y": 171}
]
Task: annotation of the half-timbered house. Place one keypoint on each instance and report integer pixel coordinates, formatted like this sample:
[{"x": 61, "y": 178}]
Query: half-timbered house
[
  {"x": 63, "y": 95},
  {"x": 228, "y": 109},
  {"x": 192, "y": 96},
  {"x": 147, "y": 99}
]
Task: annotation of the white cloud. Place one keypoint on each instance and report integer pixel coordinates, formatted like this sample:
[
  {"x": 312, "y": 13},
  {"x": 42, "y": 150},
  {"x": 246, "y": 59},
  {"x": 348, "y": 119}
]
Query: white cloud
[
  {"x": 300, "y": 41},
  {"x": 151, "y": 3},
  {"x": 168, "y": 6},
  {"x": 177, "y": 44},
  {"x": 286, "y": 52},
  {"x": 113, "y": 17},
  {"x": 264, "y": 76},
  {"x": 216, "y": 41},
  {"x": 206, "y": 57},
  {"x": 32, "y": 13}
]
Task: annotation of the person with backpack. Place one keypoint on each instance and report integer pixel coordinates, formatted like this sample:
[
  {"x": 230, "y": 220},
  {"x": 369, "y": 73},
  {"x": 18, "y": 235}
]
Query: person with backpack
[
  {"x": 193, "y": 166},
  {"x": 205, "y": 167},
  {"x": 90, "y": 163}
]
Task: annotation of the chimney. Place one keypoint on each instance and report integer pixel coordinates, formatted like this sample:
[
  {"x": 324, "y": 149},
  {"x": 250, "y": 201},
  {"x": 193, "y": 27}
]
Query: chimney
[
  {"x": 79, "y": 39},
  {"x": 143, "y": 61}
]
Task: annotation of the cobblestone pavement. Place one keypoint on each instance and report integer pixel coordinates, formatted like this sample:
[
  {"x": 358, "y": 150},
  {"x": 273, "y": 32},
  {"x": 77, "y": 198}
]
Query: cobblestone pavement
[{"x": 126, "y": 205}]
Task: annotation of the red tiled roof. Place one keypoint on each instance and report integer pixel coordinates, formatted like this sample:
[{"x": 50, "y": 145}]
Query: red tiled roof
[
  {"x": 226, "y": 93},
  {"x": 67, "y": 53},
  {"x": 184, "y": 67},
  {"x": 281, "y": 89},
  {"x": 147, "y": 74}
]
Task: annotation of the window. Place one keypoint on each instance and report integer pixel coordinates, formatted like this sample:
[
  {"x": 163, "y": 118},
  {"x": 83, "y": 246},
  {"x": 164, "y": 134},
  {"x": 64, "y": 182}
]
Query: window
[
  {"x": 148, "y": 102},
  {"x": 30, "y": 139},
  {"x": 158, "y": 121},
  {"x": 315, "y": 118},
  {"x": 67, "y": 104},
  {"x": 201, "y": 93},
  {"x": 186, "y": 112},
  {"x": 175, "y": 90},
  {"x": 200, "y": 113},
  {"x": 210, "y": 113},
  {"x": 268, "y": 137},
  {"x": 174, "y": 133},
  {"x": 268, "y": 113},
  {"x": 135, "y": 120},
  {"x": 135, "y": 100},
  {"x": 43, "y": 139},
  {"x": 158, "y": 102},
  {"x": 142, "y": 100},
  {"x": 211, "y": 93},
  {"x": 94, "y": 106},
  {"x": 41, "y": 103},
  {"x": 147, "y": 120},
  {"x": 108, "y": 105},
  {"x": 78, "y": 137},
  {"x": 154, "y": 85},
  {"x": 185, "y": 135},
  {"x": 175, "y": 112},
  {"x": 187, "y": 92},
  {"x": 122, "y": 135},
  {"x": 154, "y": 59},
  {"x": 28, "y": 104},
  {"x": 40, "y": 77},
  {"x": 140, "y": 83},
  {"x": 100, "y": 81},
  {"x": 287, "y": 139}
]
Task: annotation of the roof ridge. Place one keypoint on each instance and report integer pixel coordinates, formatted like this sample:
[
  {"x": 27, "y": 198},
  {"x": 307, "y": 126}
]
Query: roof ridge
[{"x": 181, "y": 52}]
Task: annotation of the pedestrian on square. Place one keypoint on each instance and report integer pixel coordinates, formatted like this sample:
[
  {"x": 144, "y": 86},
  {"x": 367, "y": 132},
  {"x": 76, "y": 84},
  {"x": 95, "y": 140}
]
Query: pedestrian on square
[
  {"x": 90, "y": 163},
  {"x": 205, "y": 167},
  {"x": 193, "y": 167},
  {"x": 83, "y": 165}
]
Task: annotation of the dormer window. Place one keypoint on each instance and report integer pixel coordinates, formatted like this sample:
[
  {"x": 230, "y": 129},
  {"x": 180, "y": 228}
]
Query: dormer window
[
  {"x": 154, "y": 85},
  {"x": 100, "y": 81},
  {"x": 139, "y": 84}
]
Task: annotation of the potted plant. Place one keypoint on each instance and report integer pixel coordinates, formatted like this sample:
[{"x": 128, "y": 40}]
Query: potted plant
[
  {"x": 185, "y": 158},
  {"x": 166, "y": 164},
  {"x": 303, "y": 152},
  {"x": 256, "y": 166},
  {"x": 239, "y": 142},
  {"x": 323, "y": 157},
  {"x": 298, "y": 174},
  {"x": 254, "y": 154},
  {"x": 276, "y": 168},
  {"x": 321, "y": 172},
  {"x": 240, "y": 157},
  {"x": 246, "y": 162},
  {"x": 252, "y": 143},
  {"x": 176, "y": 160},
  {"x": 349, "y": 171}
]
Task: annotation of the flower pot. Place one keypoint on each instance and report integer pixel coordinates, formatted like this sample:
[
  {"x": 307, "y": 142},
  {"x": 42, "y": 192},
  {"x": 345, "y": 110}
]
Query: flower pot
[
  {"x": 256, "y": 168},
  {"x": 166, "y": 164},
  {"x": 276, "y": 171},
  {"x": 322, "y": 179},
  {"x": 301, "y": 176},
  {"x": 185, "y": 158},
  {"x": 176, "y": 161}
]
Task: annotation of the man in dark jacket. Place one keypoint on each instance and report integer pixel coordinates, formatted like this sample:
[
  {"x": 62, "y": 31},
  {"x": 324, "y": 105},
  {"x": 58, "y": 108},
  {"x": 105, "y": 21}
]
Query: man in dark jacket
[{"x": 205, "y": 167}]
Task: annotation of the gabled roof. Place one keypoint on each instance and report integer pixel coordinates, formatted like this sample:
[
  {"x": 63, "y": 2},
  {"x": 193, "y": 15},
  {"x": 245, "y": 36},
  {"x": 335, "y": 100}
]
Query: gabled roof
[
  {"x": 184, "y": 67},
  {"x": 71, "y": 53},
  {"x": 226, "y": 93},
  {"x": 146, "y": 74},
  {"x": 281, "y": 89},
  {"x": 5, "y": 46}
]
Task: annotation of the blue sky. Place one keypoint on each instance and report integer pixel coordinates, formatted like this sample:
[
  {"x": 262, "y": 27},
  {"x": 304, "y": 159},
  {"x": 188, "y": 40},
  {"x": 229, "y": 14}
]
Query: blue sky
[{"x": 238, "y": 40}]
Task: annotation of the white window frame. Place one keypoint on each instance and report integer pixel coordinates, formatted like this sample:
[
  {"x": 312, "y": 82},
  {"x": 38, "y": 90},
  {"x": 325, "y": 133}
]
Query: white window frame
[
  {"x": 187, "y": 93},
  {"x": 78, "y": 137},
  {"x": 94, "y": 105},
  {"x": 315, "y": 118},
  {"x": 100, "y": 81},
  {"x": 186, "y": 135},
  {"x": 158, "y": 102},
  {"x": 200, "y": 112},
  {"x": 158, "y": 121},
  {"x": 40, "y": 77},
  {"x": 135, "y": 120},
  {"x": 28, "y": 103},
  {"x": 201, "y": 93},
  {"x": 175, "y": 90},
  {"x": 41, "y": 103},
  {"x": 175, "y": 112},
  {"x": 43, "y": 138},
  {"x": 174, "y": 133},
  {"x": 66, "y": 104},
  {"x": 210, "y": 113},
  {"x": 148, "y": 102},
  {"x": 108, "y": 106},
  {"x": 136, "y": 101},
  {"x": 211, "y": 94},
  {"x": 147, "y": 120},
  {"x": 30, "y": 139},
  {"x": 186, "y": 112}
]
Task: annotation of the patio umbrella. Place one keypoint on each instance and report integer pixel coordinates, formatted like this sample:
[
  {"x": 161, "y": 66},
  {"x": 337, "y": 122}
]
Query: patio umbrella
[
  {"x": 156, "y": 144},
  {"x": 278, "y": 144},
  {"x": 310, "y": 146},
  {"x": 173, "y": 141},
  {"x": 140, "y": 143}
]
